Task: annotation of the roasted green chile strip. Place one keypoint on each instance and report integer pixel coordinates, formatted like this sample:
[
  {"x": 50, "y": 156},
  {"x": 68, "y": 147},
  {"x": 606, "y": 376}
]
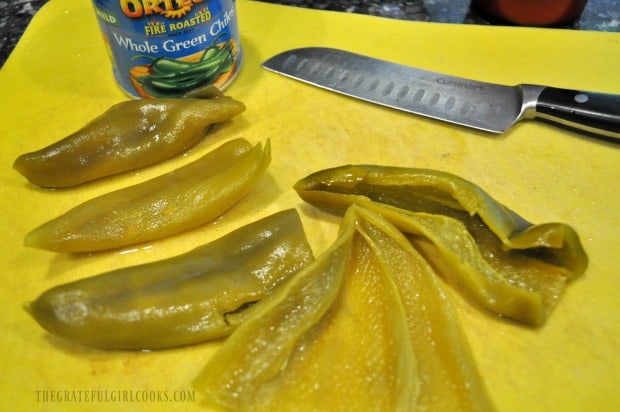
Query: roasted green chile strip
[
  {"x": 365, "y": 327},
  {"x": 171, "y": 203},
  {"x": 506, "y": 264},
  {"x": 130, "y": 135},
  {"x": 200, "y": 295}
]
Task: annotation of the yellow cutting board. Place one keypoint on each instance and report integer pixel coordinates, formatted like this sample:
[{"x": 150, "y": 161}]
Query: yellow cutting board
[{"x": 58, "y": 78}]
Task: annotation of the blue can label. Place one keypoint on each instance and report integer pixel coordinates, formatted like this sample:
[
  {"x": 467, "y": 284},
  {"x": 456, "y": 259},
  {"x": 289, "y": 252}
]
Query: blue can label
[{"x": 166, "y": 48}]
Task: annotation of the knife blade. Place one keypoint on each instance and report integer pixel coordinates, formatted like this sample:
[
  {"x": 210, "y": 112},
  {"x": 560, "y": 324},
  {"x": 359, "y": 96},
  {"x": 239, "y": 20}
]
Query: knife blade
[{"x": 484, "y": 106}]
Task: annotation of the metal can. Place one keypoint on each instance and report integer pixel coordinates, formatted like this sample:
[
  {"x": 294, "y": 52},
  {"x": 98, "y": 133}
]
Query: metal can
[{"x": 166, "y": 48}]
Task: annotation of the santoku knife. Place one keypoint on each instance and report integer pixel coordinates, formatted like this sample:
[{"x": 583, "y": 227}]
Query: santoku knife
[{"x": 484, "y": 106}]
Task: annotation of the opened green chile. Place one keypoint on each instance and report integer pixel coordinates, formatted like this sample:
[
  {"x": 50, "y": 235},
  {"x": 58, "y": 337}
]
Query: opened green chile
[
  {"x": 130, "y": 135},
  {"x": 365, "y": 327},
  {"x": 200, "y": 295},
  {"x": 180, "y": 200},
  {"x": 505, "y": 263}
]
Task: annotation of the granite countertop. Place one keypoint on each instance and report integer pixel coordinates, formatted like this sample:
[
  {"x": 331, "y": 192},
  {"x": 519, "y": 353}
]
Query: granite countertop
[{"x": 599, "y": 15}]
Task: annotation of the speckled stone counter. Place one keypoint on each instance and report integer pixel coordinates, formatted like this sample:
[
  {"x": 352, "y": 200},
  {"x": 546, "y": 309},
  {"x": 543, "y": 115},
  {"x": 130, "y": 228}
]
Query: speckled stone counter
[{"x": 599, "y": 15}]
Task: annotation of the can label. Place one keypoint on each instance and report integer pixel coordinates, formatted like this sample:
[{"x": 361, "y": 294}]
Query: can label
[{"x": 165, "y": 48}]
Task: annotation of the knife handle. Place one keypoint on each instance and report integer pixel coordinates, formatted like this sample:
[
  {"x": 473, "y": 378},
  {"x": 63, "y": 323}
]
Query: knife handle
[{"x": 597, "y": 114}]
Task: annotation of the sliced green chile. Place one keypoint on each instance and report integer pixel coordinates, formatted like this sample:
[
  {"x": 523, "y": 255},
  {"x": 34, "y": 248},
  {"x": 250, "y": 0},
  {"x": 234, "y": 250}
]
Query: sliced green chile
[
  {"x": 130, "y": 135},
  {"x": 197, "y": 296},
  {"x": 506, "y": 264},
  {"x": 168, "y": 204},
  {"x": 365, "y": 327}
]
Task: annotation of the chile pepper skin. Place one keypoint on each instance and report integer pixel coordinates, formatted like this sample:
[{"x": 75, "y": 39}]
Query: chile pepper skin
[
  {"x": 197, "y": 296},
  {"x": 130, "y": 135},
  {"x": 165, "y": 205}
]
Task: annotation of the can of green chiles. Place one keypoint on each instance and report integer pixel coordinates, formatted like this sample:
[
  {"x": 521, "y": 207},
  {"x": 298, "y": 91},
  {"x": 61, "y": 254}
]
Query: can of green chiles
[{"x": 166, "y": 48}]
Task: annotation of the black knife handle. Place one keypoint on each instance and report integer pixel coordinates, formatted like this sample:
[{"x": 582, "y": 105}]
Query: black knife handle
[{"x": 597, "y": 114}]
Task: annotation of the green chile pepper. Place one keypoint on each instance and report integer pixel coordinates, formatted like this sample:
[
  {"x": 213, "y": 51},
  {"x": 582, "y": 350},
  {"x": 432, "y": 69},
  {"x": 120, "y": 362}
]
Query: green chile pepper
[
  {"x": 130, "y": 135},
  {"x": 172, "y": 78},
  {"x": 200, "y": 295},
  {"x": 365, "y": 327},
  {"x": 506, "y": 264},
  {"x": 165, "y": 205}
]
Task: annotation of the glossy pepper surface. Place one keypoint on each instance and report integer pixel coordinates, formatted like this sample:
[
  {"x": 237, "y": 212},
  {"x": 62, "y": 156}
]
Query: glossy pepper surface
[
  {"x": 508, "y": 265},
  {"x": 365, "y": 327},
  {"x": 200, "y": 295},
  {"x": 129, "y": 136},
  {"x": 165, "y": 205}
]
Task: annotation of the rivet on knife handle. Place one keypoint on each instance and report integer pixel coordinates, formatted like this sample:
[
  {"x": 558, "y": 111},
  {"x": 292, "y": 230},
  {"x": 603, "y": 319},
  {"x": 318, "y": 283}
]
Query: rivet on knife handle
[{"x": 480, "y": 105}]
